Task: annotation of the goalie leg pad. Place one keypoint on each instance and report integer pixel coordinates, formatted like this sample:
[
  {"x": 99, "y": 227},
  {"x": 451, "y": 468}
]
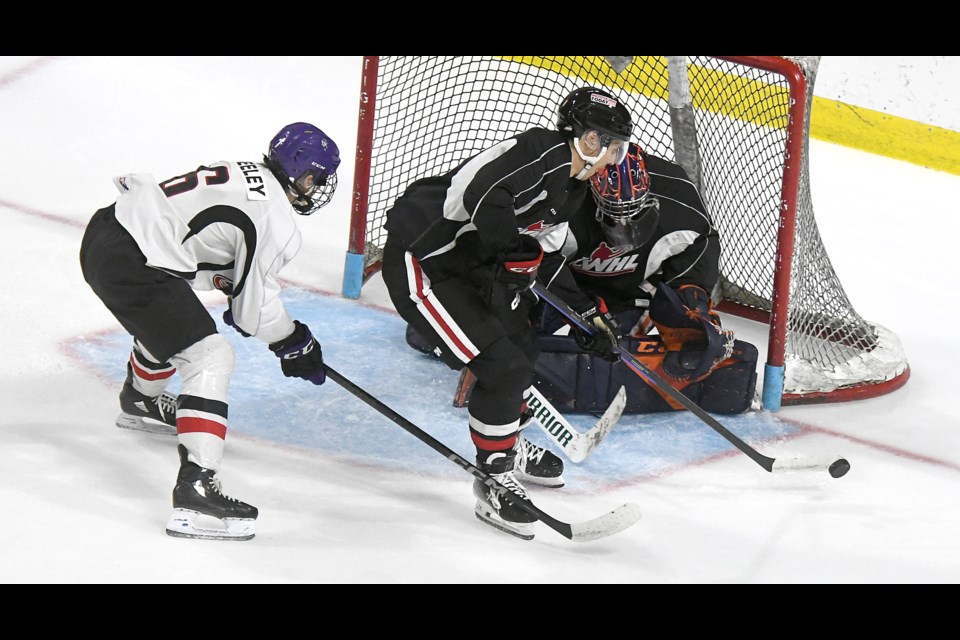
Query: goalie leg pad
[
  {"x": 578, "y": 382},
  {"x": 417, "y": 341},
  {"x": 731, "y": 387}
]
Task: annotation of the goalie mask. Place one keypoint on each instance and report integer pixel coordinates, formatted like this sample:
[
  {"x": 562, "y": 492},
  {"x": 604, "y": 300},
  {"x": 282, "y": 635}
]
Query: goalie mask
[
  {"x": 305, "y": 161},
  {"x": 628, "y": 213}
]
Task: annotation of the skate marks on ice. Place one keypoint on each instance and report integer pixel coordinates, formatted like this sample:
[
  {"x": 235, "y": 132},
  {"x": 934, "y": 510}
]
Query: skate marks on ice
[{"x": 367, "y": 344}]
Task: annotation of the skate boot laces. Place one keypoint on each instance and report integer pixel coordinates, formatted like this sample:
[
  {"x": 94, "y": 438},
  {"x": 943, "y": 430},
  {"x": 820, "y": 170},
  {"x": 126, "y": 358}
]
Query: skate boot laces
[
  {"x": 166, "y": 404},
  {"x": 212, "y": 482},
  {"x": 509, "y": 482},
  {"x": 529, "y": 452}
]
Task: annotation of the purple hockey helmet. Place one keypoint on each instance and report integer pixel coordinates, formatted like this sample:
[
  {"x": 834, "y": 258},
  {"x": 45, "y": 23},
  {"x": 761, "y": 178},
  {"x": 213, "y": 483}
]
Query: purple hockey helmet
[{"x": 300, "y": 151}]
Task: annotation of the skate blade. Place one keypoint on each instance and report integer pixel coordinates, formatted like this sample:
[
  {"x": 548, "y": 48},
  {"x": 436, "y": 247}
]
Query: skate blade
[
  {"x": 552, "y": 483},
  {"x": 136, "y": 423},
  {"x": 183, "y": 524},
  {"x": 522, "y": 530}
]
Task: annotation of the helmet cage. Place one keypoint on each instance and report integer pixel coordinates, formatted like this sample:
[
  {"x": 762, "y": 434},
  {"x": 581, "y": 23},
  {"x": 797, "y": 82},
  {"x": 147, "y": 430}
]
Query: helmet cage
[
  {"x": 317, "y": 196},
  {"x": 629, "y": 225},
  {"x": 628, "y": 212}
]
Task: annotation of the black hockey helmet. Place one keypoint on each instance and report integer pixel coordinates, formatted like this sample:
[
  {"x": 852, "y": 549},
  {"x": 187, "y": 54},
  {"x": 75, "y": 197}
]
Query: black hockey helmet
[{"x": 589, "y": 108}]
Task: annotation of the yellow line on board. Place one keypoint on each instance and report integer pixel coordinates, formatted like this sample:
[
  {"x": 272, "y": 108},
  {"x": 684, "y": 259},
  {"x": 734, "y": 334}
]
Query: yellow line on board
[
  {"x": 831, "y": 121},
  {"x": 741, "y": 98},
  {"x": 886, "y": 135},
  {"x": 648, "y": 77}
]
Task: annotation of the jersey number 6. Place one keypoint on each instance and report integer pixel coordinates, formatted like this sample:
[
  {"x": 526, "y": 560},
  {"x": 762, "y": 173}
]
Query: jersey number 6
[{"x": 190, "y": 181}]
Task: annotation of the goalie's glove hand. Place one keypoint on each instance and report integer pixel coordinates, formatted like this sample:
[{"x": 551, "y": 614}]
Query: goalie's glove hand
[
  {"x": 517, "y": 269},
  {"x": 228, "y": 318},
  {"x": 300, "y": 355},
  {"x": 691, "y": 331},
  {"x": 606, "y": 336}
]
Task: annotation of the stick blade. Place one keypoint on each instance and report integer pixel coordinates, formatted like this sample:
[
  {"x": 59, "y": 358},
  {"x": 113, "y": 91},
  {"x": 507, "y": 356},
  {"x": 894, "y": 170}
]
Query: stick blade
[
  {"x": 624, "y": 516},
  {"x": 591, "y": 439},
  {"x": 836, "y": 465}
]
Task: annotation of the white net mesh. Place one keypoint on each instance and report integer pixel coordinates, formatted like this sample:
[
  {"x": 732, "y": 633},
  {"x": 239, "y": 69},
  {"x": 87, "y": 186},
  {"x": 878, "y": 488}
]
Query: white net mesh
[{"x": 727, "y": 124}]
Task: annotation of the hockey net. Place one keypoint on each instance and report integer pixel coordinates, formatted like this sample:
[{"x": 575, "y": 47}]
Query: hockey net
[{"x": 740, "y": 127}]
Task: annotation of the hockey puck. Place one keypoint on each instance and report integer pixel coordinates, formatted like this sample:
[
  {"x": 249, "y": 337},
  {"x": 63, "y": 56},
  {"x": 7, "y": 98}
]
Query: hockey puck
[{"x": 839, "y": 468}]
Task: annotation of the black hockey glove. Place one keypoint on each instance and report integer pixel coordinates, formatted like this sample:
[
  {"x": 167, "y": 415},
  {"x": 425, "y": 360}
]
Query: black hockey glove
[
  {"x": 606, "y": 336},
  {"x": 300, "y": 355},
  {"x": 690, "y": 329},
  {"x": 228, "y": 318},
  {"x": 518, "y": 268}
]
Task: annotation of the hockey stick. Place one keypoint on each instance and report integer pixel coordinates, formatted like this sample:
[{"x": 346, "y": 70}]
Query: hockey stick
[
  {"x": 837, "y": 467},
  {"x": 599, "y": 527},
  {"x": 577, "y": 446}
]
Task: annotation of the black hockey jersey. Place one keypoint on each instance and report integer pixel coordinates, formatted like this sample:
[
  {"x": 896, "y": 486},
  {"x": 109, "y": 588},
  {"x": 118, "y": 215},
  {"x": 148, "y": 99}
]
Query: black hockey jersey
[
  {"x": 465, "y": 219},
  {"x": 685, "y": 249}
]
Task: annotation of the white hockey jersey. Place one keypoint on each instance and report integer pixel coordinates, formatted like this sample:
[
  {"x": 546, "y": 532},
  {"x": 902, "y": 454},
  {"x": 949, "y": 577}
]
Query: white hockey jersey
[{"x": 226, "y": 226}]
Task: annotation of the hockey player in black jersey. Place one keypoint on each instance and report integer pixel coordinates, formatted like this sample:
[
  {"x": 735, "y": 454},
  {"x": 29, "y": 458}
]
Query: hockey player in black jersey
[
  {"x": 644, "y": 252},
  {"x": 228, "y": 226},
  {"x": 644, "y": 248},
  {"x": 463, "y": 249}
]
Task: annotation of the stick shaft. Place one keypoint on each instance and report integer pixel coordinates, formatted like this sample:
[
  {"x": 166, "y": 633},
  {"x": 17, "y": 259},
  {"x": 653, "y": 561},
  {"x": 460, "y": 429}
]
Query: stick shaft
[
  {"x": 607, "y": 524},
  {"x": 561, "y": 527},
  {"x": 655, "y": 380}
]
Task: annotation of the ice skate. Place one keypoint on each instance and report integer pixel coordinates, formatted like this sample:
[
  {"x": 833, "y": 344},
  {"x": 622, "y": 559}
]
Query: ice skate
[
  {"x": 201, "y": 510},
  {"x": 536, "y": 465},
  {"x": 498, "y": 512},
  {"x": 140, "y": 412}
]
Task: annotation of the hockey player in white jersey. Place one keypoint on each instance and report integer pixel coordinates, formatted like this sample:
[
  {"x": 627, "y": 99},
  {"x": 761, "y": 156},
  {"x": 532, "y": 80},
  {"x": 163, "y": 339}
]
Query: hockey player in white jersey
[{"x": 229, "y": 226}]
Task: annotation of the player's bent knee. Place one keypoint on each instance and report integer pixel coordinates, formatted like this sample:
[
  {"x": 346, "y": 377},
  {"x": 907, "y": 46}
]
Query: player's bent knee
[
  {"x": 206, "y": 367},
  {"x": 502, "y": 365}
]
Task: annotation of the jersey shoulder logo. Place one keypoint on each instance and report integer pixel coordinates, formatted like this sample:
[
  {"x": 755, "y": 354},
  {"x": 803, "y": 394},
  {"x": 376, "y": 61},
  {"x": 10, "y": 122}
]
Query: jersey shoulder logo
[{"x": 223, "y": 284}]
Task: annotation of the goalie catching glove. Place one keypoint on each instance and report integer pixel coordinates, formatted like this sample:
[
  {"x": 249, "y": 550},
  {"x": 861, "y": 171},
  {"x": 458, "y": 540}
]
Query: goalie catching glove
[
  {"x": 606, "y": 336},
  {"x": 690, "y": 330},
  {"x": 300, "y": 355}
]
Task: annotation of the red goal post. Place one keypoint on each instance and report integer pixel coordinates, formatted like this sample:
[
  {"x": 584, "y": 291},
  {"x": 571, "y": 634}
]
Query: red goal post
[{"x": 739, "y": 125}]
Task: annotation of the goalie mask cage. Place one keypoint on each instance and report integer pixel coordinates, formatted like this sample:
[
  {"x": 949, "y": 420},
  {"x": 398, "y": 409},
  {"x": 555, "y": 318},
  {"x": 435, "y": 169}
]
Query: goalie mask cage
[{"x": 739, "y": 125}]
